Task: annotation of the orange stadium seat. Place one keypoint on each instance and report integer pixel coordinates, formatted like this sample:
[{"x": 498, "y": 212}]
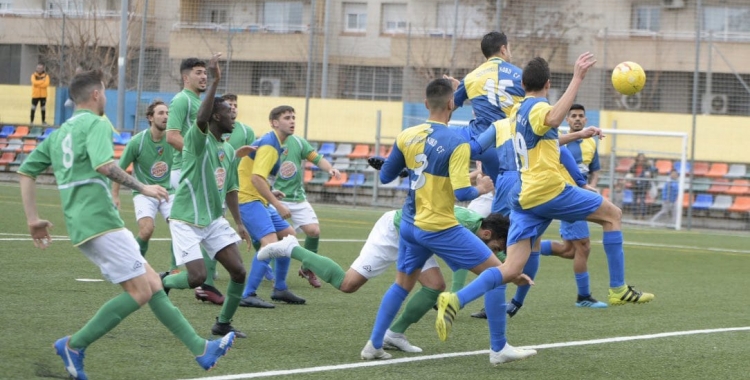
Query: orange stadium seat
[
  {"x": 360, "y": 151},
  {"x": 29, "y": 146},
  {"x": 718, "y": 170},
  {"x": 308, "y": 176},
  {"x": 700, "y": 169},
  {"x": 720, "y": 186},
  {"x": 741, "y": 204},
  {"x": 624, "y": 164},
  {"x": 686, "y": 200},
  {"x": 20, "y": 132},
  {"x": 7, "y": 158},
  {"x": 118, "y": 151},
  {"x": 333, "y": 182},
  {"x": 739, "y": 187},
  {"x": 663, "y": 166}
]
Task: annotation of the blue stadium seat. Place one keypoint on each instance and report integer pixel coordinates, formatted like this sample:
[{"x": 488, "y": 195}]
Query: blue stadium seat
[
  {"x": 7, "y": 131},
  {"x": 125, "y": 137},
  {"x": 678, "y": 164},
  {"x": 703, "y": 201},
  {"x": 355, "y": 180},
  {"x": 627, "y": 197},
  {"x": 46, "y": 134},
  {"x": 327, "y": 149}
]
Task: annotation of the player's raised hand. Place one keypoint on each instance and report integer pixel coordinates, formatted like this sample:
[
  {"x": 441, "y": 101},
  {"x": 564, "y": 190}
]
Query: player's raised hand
[
  {"x": 583, "y": 63},
  {"x": 243, "y": 151},
  {"x": 40, "y": 233},
  {"x": 155, "y": 191},
  {"x": 455, "y": 82},
  {"x": 213, "y": 67}
]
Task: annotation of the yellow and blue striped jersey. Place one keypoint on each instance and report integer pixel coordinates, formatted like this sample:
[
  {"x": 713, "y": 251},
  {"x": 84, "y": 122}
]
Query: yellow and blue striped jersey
[
  {"x": 438, "y": 163},
  {"x": 537, "y": 151},
  {"x": 493, "y": 88},
  {"x": 586, "y": 156},
  {"x": 263, "y": 162}
]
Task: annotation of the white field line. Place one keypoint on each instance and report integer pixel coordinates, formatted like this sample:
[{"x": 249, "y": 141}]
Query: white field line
[{"x": 255, "y": 375}]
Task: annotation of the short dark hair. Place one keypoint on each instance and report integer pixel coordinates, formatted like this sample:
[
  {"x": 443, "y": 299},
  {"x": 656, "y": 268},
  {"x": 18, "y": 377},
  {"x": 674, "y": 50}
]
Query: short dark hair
[
  {"x": 577, "y": 107},
  {"x": 497, "y": 224},
  {"x": 278, "y": 111},
  {"x": 229, "y": 97},
  {"x": 189, "y": 63},
  {"x": 152, "y": 107},
  {"x": 217, "y": 104},
  {"x": 492, "y": 42},
  {"x": 85, "y": 82},
  {"x": 535, "y": 74},
  {"x": 438, "y": 93}
]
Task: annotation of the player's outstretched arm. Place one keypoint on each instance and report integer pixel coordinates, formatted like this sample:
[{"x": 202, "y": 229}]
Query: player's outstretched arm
[
  {"x": 39, "y": 228},
  {"x": 557, "y": 114},
  {"x": 114, "y": 173},
  {"x": 325, "y": 165},
  {"x": 207, "y": 107}
]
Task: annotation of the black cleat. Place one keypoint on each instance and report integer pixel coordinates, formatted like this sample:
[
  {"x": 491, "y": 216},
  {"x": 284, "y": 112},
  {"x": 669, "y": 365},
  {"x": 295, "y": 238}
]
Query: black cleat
[
  {"x": 286, "y": 296},
  {"x": 254, "y": 301},
  {"x": 480, "y": 314},
  {"x": 513, "y": 308},
  {"x": 225, "y": 328}
]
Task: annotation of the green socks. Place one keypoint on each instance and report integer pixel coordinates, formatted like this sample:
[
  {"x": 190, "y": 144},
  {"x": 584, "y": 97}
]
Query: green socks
[
  {"x": 143, "y": 245},
  {"x": 172, "y": 318},
  {"x": 210, "y": 267},
  {"x": 108, "y": 316},
  {"x": 177, "y": 281},
  {"x": 311, "y": 244},
  {"x": 417, "y": 306},
  {"x": 325, "y": 268},
  {"x": 459, "y": 280},
  {"x": 231, "y": 301}
]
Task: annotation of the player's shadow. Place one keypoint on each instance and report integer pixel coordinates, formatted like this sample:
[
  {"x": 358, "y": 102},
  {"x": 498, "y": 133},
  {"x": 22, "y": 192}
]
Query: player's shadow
[{"x": 43, "y": 370}]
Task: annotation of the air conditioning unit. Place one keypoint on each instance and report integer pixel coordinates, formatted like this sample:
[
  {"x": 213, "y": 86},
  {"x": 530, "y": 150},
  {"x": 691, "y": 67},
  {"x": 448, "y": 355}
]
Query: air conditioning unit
[
  {"x": 672, "y": 4},
  {"x": 716, "y": 104},
  {"x": 632, "y": 102},
  {"x": 270, "y": 86}
]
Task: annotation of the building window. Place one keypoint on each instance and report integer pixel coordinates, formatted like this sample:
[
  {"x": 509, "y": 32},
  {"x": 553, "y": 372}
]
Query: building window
[
  {"x": 472, "y": 20},
  {"x": 726, "y": 19},
  {"x": 66, "y": 6},
  {"x": 371, "y": 83},
  {"x": 6, "y": 5},
  {"x": 355, "y": 15},
  {"x": 394, "y": 18},
  {"x": 647, "y": 18},
  {"x": 283, "y": 16}
]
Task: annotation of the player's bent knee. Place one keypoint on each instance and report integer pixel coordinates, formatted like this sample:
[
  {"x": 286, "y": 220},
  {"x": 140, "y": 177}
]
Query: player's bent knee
[{"x": 238, "y": 275}]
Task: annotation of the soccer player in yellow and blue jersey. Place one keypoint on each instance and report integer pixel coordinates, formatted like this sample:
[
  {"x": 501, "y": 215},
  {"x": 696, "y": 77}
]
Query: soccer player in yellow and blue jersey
[
  {"x": 262, "y": 212},
  {"x": 437, "y": 160}
]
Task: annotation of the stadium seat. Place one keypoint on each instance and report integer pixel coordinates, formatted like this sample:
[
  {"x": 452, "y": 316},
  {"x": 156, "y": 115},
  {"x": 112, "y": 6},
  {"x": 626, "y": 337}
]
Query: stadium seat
[
  {"x": 123, "y": 138},
  {"x": 46, "y": 134},
  {"x": 703, "y": 202},
  {"x": 360, "y": 151},
  {"x": 355, "y": 180},
  {"x": 605, "y": 193},
  {"x": 19, "y": 159},
  {"x": 118, "y": 151},
  {"x": 721, "y": 204},
  {"x": 700, "y": 169},
  {"x": 701, "y": 184},
  {"x": 7, "y": 131},
  {"x": 624, "y": 164},
  {"x": 342, "y": 150},
  {"x": 741, "y": 204},
  {"x": 686, "y": 200},
  {"x": 739, "y": 187},
  {"x": 14, "y": 145},
  {"x": 3, "y": 142},
  {"x": 369, "y": 180},
  {"x": 308, "y": 176},
  {"x": 7, "y": 158},
  {"x": 28, "y": 146},
  {"x": 319, "y": 178},
  {"x": 327, "y": 149},
  {"x": 736, "y": 171},
  {"x": 359, "y": 165},
  {"x": 35, "y": 133},
  {"x": 627, "y": 197},
  {"x": 342, "y": 163},
  {"x": 663, "y": 166},
  {"x": 333, "y": 182},
  {"x": 678, "y": 164},
  {"x": 718, "y": 170},
  {"x": 719, "y": 186},
  {"x": 20, "y": 132}
]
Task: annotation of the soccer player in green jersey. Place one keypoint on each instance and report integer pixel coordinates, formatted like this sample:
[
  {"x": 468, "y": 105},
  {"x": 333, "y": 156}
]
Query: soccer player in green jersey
[
  {"x": 209, "y": 178},
  {"x": 151, "y": 157},
  {"x": 242, "y": 134},
  {"x": 183, "y": 110},
  {"x": 289, "y": 181},
  {"x": 82, "y": 156}
]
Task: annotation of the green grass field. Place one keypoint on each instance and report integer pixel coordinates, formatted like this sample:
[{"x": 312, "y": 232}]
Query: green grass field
[{"x": 698, "y": 279}]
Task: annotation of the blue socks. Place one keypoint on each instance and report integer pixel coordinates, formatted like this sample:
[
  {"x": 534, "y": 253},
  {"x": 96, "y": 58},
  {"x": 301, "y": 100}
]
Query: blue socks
[
  {"x": 546, "y": 249},
  {"x": 489, "y": 279},
  {"x": 612, "y": 242},
  {"x": 389, "y": 306},
  {"x": 494, "y": 306},
  {"x": 582, "y": 281},
  {"x": 257, "y": 271},
  {"x": 282, "y": 269},
  {"x": 532, "y": 266}
]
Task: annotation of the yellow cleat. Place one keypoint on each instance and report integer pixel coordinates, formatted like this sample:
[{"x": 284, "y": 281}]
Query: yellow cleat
[
  {"x": 448, "y": 307},
  {"x": 628, "y": 295}
]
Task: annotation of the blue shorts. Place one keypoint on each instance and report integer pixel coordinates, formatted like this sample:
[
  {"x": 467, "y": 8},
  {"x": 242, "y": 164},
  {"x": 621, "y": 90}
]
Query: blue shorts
[
  {"x": 575, "y": 230},
  {"x": 260, "y": 220},
  {"x": 572, "y": 205},
  {"x": 504, "y": 187},
  {"x": 457, "y": 246}
]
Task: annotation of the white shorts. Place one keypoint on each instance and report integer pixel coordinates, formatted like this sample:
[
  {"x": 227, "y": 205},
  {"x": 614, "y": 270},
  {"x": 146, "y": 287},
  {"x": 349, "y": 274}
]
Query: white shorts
[
  {"x": 381, "y": 249},
  {"x": 482, "y": 204},
  {"x": 147, "y": 207},
  {"x": 174, "y": 178},
  {"x": 188, "y": 239},
  {"x": 116, "y": 254},
  {"x": 302, "y": 214}
]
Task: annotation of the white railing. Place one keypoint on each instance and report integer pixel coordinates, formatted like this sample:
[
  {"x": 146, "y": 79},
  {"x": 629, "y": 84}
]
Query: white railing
[
  {"x": 57, "y": 13},
  {"x": 246, "y": 27},
  {"x": 676, "y": 35}
]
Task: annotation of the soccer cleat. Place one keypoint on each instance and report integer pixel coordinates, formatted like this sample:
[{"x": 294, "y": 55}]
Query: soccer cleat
[
  {"x": 310, "y": 277},
  {"x": 482, "y": 314},
  {"x": 254, "y": 301},
  {"x": 372, "y": 353},
  {"x": 510, "y": 354},
  {"x": 396, "y": 341},
  {"x": 208, "y": 293},
  {"x": 590, "y": 302},
  {"x": 281, "y": 248},
  {"x": 512, "y": 308},
  {"x": 72, "y": 359},
  {"x": 215, "y": 349},
  {"x": 448, "y": 306},
  {"x": 287, "y": 296},
  {"x": 224, "y": 328},
  {"x": 629, "y": 295}
]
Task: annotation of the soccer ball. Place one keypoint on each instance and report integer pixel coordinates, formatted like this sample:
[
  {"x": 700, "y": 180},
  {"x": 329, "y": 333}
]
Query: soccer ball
[{"x": 628, "y": 78}]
